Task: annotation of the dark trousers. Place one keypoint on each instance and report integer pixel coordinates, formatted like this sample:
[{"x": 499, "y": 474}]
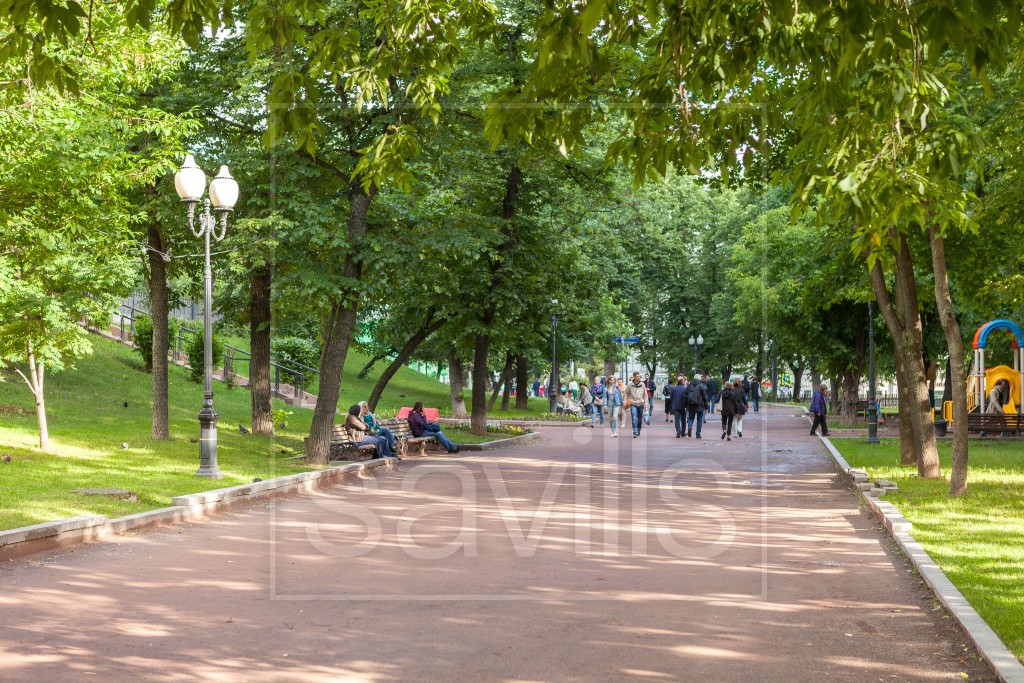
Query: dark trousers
[
  {"x": 819, "y": 419},
  {"x": 697, "y": 414},
  {"x": 727, "y": 424},
  {"x": 680, "y": 422}
]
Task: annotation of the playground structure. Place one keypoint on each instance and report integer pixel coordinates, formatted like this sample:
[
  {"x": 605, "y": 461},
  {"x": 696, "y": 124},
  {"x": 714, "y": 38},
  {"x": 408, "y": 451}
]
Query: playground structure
[{"x": 982, "y": 379}]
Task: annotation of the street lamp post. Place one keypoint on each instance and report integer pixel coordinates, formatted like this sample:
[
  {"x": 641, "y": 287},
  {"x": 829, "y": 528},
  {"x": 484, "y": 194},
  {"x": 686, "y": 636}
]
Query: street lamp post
[
  {"x": 553, "y": 390},
  {"x": 190, "y": 183},
  {"x": 872, "y": 403},
  {"x": 695, "y": 344}
]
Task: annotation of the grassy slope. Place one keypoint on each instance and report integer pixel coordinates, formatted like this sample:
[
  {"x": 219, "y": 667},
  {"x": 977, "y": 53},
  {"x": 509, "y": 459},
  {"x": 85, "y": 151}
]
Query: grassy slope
[
  {"x": 978, "y": 539},
  {"x": 88, "y": 423}
]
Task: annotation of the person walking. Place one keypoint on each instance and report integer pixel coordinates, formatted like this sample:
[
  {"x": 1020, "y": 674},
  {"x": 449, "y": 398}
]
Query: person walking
[
  {"x": 615, "y": 399},
  {"x": 598, "y": 396},
  {"x": 819, "y": 407},
  {"x": 677, "y": 404},
  {"x": 739, "y": 396},
  {"x": 712, "y": 394},
  {"x": 696, "y": 401},
  {"x": 666, "y": 393},
  {"x": 650, "y": 384},
  {"x": 536, "y": 387},
  {"x": 586, "y": 399},
  {"x": 755, "y": 393},
  {"x": 636, "y": 397},
  {"x": 728, "y": 401},
  {"x": 574, "y": 388}
]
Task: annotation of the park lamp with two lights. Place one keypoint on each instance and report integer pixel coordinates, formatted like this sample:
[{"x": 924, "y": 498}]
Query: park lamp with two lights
[{"x": 190, "y": 183}]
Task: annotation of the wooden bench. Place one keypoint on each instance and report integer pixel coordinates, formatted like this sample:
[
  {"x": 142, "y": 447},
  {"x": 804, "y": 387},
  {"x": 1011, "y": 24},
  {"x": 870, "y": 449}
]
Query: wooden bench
[
  {"x": 344, "y": 448},
  {"x": 404, "y": 438},
  {"x": 1004, "y": 423}
]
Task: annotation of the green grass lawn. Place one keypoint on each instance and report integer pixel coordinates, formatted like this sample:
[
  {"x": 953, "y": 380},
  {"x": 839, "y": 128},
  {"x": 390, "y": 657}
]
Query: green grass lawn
[
  {"x": 89, "y": 422},
  {"x": 977, "y": 539}
]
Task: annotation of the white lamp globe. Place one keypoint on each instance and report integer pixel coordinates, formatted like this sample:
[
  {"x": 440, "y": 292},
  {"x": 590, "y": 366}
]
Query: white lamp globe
[
  {"x": 223, "y": 190},
  {"x": 190, "y": 181},
  {"x": 692, "y": 340},
  {"x": 700, "y": 340}
]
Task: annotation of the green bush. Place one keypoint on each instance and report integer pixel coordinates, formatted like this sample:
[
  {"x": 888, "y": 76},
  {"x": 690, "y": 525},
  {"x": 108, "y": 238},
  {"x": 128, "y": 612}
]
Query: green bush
[
  {"x": 143, "y": 337},
  {"x": 194, "y": 351},
  {"x": 296, "y": 349}
]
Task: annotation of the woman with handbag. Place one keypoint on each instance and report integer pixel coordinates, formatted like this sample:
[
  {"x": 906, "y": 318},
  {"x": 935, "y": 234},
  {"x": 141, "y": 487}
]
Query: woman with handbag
[
  {"x": 740, "y": 397},
  {"x": 614, "y": 397},
  {"x": 598, "y": 396}
]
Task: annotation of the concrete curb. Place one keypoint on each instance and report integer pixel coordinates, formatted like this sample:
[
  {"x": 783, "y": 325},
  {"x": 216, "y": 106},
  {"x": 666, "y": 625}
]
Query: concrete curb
[
  {"x": 28, "y": 540},
  {"x": 518, "y": 423},
  {"x": 1003, "y": 663},
  {"x": 501, "y": 443}
]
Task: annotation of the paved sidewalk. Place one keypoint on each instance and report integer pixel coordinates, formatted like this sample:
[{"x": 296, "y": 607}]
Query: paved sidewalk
[{"x": 581, "y": 558}]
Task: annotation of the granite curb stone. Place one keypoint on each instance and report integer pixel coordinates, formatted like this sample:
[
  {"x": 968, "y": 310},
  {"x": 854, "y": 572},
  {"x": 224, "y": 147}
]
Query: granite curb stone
[
  {"x": 501, "y": 443},
  {"x": 186, "y": 508},
  {"x": 1003, "y": 663}
]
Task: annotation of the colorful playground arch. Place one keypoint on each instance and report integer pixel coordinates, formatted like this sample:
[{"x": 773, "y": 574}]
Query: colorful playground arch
[{"x": 983, "y": 379}]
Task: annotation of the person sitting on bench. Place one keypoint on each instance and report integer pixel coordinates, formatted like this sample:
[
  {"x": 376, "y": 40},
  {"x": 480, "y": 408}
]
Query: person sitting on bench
[
  {"x": 419, "y": 426},
  {"x": 375, "y": 427},
  {"x": 360, "y": 432},
  {"x": 568, "y": 404}
]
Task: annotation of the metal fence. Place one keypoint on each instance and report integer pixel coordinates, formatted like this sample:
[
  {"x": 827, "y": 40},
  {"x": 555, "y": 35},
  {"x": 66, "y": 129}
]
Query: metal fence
[{"x": 287, "y": 373}]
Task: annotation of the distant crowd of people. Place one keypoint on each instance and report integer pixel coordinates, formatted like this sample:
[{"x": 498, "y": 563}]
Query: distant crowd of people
[{"x": 688, "y": 401}]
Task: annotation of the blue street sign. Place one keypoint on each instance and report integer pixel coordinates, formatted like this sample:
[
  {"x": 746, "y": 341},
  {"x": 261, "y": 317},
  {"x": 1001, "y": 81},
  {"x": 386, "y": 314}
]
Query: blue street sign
[{"x": 627, "y": 340}]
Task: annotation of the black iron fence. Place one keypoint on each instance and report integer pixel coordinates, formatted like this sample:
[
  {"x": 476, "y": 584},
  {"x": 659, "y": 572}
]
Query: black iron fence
[{"x": 287, "y": 373}]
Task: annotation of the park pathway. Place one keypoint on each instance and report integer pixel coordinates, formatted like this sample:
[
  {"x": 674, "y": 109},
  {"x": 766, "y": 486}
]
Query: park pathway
[{"x": 581, "y": 558}]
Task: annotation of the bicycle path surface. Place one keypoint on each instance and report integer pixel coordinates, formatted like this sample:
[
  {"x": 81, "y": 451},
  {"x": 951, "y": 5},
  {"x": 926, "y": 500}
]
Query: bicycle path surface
[{"x": 580, "y": 557}]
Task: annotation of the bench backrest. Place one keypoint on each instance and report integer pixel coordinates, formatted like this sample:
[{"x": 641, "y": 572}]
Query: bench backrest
[{"x": 430, "y": 413}]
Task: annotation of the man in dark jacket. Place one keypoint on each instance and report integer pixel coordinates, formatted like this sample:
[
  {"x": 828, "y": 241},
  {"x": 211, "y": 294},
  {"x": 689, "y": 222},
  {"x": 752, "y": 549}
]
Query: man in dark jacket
[
  {"x": 696, "y": 401},
  {"x": 419, "y": 426},
  {"x": 818, "y": 408},
  {"x": 712, "y": 394},
  {"x": 755, "y": 393},
  {"x": 678, "y": 404}
]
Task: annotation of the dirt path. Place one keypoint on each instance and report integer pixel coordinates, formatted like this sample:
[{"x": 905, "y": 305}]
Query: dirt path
[{"x": 582, "y": 558}]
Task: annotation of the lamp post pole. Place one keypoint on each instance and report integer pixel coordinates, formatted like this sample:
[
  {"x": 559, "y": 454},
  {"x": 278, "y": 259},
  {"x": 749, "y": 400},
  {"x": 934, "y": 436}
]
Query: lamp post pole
[
  {"x": 553, "y": 390},
  {"x": 695, "y": 344},
  {"x": 190, "y": 183},
  {"x": 872, "y": 403}
]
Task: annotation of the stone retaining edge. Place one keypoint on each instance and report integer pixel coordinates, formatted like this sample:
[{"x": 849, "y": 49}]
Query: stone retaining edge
[
  {"x": 1003, "y": 663},
  {"x": 22, "y": 541},
  {"x": 500, "y": 443}
]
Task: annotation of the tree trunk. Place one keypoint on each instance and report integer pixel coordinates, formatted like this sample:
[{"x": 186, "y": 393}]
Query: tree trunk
[
  {"x": 457, "y": 382},
  {"x": 522, "y": 383},
  {"x": 905, "y": 328},
  {"x": 815, "y": 375},
  {"x": 478, "y": 410},
  {"x": 798, "y": 373},
  {"x": 908, "y": 454},
  {"x": 369, "y": 366},
  {"x": 955, "y": 344},
  {"x": 609, "y": 368},
  {"x": 851, "y": 380},
  {"x": 428, "y": 327},
  {"x": 506, "y": 375},
  {"x": 339, "y": 327},
  {"x": 36, "y": 380},
  {"x": 158, "y": 313},
  {"x": 259, "y": 351}
]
